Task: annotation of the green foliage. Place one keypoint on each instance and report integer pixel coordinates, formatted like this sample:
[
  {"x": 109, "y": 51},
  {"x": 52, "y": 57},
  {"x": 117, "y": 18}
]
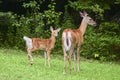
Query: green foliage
[
  {"x": 108, "y": 28},
  {"x": 6, "y": 29},
  {"x": 32, "y": 4},
  {"x": 89, "y": 5},
  {"x": 67, "y": 20},
  {"x": 117, "y": 2},
  {"x": 103, "y": 43},
  {"x": 51, "y": 16}
]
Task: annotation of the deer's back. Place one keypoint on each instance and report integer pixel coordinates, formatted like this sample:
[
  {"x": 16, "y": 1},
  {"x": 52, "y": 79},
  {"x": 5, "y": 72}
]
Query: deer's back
[
  {"x": 76, "y": 35},
  {"x": 40, "y": 43}
]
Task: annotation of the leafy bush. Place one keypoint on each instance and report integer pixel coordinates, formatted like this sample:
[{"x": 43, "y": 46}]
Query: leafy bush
[
  {"x": 6, "y": 20},
  {"x": 102, "y": 43}
]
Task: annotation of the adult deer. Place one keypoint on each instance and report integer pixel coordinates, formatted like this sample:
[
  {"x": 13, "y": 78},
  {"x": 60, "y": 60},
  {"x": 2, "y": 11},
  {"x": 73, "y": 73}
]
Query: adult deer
[
  {"x": 43, "y": 44},
  {"x": 72, "y": 38}
]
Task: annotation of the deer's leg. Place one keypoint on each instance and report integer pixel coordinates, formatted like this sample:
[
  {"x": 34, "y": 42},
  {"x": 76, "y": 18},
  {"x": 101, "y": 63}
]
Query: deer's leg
[
  {"x": 30, "y": 59},
  {"x": 69, "y": 59},
  {"x": 75, "y": 59},
  {"x": 45, "y": 54},
  {"x": 65, "y": 56},
  {"x": 48, "y": 55},
  {"x": 78, "y": 58}
]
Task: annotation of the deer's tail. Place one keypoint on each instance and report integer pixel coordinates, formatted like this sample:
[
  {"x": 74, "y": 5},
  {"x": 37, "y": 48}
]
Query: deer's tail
[
  {"x": 28, "y": 42},
  {"x": 67, "y": 40}
]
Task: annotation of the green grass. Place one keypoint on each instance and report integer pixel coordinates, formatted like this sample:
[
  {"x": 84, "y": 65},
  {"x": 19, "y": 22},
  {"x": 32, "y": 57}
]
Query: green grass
[{"x": 13, "y": 66}]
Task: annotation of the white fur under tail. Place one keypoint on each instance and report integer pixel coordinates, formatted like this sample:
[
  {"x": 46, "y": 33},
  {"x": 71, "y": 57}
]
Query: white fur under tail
[
  {"x": 28, "y": 41},
  {"x": 69, "y": 37}
]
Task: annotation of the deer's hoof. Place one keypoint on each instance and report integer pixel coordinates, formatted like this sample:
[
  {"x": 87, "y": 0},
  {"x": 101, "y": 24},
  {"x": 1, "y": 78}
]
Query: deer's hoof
[
  {"x": 64, "y": 73},
  {"x": 31, "y": 63}
]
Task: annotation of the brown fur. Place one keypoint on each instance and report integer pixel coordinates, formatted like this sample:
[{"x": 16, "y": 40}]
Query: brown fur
[
  {"x": 43, "y": 44},
  {"x": 77, "y": 40}
]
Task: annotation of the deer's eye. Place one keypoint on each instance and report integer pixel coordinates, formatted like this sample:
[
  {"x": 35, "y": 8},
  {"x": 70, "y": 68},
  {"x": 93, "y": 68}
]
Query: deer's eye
[{"x": 90, "y": 19}]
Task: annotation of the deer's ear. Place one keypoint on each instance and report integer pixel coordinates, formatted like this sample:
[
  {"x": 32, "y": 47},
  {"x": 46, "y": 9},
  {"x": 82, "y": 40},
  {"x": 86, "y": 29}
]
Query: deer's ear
[
  {"x": 51, "y": 28},
  {"x": 81, "y": 14},
  {"x": 58, "y": 29},
  {"x": 85, "y": 14}
]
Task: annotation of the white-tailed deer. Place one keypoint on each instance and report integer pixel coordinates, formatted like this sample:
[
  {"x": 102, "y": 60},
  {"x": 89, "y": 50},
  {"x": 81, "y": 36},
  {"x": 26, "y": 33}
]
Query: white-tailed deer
[
  {"x": 42, "y": 44},
  {"x": 72, "y": 38}
]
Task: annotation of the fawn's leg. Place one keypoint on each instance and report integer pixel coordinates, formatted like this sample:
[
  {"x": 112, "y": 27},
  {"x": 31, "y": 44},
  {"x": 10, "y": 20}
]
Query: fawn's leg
[
  {"x": 48, "y": 55},
  {"x": 30, "y": 59}
]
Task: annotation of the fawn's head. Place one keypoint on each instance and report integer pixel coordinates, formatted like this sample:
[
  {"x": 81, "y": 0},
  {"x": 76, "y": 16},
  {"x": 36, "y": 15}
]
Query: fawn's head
[
  {"x": 88, "y": 19},
  {"x": 55, "y": 32}
]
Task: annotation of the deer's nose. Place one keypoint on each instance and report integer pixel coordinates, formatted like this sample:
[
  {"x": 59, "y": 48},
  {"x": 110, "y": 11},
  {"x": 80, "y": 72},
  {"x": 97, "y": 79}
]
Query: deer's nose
[{"x": 95, "y": 24}]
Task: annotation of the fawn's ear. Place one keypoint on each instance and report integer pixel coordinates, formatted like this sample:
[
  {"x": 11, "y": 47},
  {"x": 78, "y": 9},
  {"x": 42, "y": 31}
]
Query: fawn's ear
[
  {"x": 51, "y": 28},
  {"x": 58, "y": 29}
]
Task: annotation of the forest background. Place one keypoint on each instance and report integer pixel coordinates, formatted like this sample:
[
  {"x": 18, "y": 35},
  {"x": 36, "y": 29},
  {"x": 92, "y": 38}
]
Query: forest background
[{"x": 33, "y": 18}]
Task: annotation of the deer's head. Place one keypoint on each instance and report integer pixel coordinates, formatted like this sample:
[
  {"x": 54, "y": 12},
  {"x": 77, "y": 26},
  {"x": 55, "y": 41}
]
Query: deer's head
[
  {"x": 88, "y": 19},
  {"x": 55, "y": 32}
]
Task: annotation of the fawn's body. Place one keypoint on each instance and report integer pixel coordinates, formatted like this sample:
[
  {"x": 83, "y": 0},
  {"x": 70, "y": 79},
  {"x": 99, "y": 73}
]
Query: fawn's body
[{"x": 43, "y": 44}]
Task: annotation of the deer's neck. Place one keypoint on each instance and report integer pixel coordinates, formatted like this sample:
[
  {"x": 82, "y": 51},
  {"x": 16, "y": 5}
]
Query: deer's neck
[
  {"x": 53, "y": 40},
  {"x": 83, "y": 26}
]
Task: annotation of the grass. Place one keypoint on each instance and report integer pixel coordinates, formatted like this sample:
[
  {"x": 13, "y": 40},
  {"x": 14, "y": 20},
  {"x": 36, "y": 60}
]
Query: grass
[{"x": 13, "y": 66}]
